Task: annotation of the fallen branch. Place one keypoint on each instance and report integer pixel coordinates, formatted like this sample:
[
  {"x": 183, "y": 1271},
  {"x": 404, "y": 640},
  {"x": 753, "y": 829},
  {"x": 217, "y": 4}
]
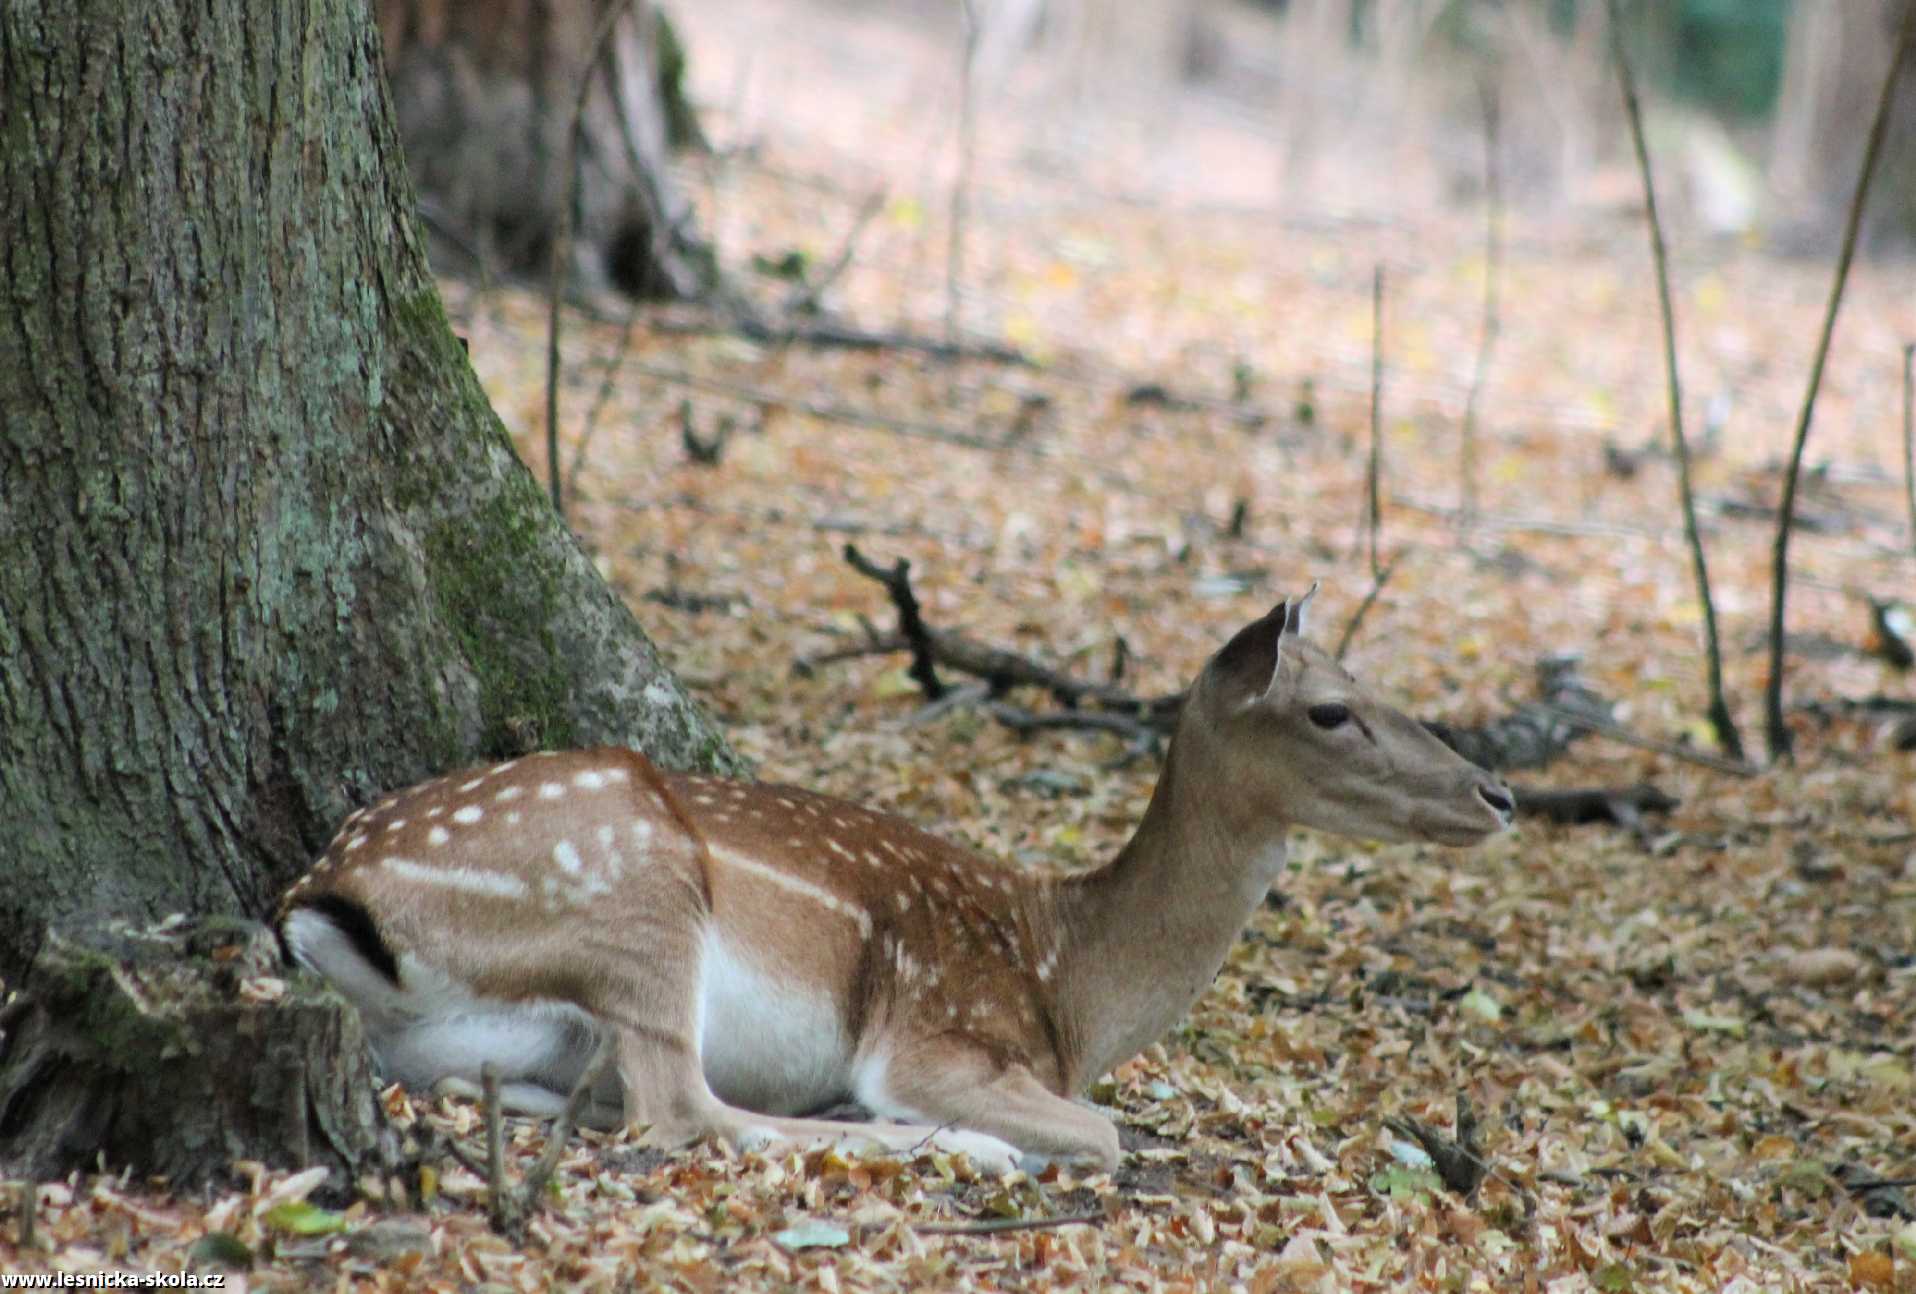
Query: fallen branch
[
  {"x": 1623, "y": 806},
  {"x": 911, "y": 623},
  {"x": 1003, "y": 670},
  {"x": 1530, "y": 737},
  {"x": 608, "y": 386},
  {"x": 1873, "y": 704},
  {"x": 1617, "y": 732},
  {"x": 1141, "y": 736},
  {"x": 1536, "y": 732},
  {"x": 1374, "y": 464},
  {"x": 839, "y": 335}
]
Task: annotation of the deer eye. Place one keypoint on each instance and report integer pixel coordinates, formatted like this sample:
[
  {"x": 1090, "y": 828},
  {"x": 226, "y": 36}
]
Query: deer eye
[{"x": 1329, "y": 715}]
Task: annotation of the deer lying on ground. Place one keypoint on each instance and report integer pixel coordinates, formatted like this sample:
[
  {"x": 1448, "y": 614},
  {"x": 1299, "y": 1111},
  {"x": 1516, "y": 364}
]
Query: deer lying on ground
[{"x": 759, "y": 953}]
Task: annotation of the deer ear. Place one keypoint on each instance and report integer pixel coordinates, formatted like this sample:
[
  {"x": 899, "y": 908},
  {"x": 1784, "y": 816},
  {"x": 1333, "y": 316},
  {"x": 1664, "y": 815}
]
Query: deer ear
[
  {"x": 1294, "y": 621},
  {"x": 1248, "y": 663}
]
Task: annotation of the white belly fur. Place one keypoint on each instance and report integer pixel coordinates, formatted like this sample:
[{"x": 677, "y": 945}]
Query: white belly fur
[{"x": 764, "y": 1042}]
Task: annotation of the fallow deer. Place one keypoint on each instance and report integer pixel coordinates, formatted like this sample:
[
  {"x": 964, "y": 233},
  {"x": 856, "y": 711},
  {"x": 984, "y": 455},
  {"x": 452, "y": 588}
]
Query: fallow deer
[{"x": 760, "y": 953}]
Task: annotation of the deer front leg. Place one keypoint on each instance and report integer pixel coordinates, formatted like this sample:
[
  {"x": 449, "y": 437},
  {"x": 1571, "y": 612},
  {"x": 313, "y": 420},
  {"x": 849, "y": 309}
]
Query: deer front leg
[
  {"x": 947, "y": 1082},
  {"x": 653, "y": 1015}
]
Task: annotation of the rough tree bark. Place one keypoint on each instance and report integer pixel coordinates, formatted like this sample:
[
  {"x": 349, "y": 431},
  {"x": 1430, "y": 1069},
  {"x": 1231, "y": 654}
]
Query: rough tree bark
[
  {"x": 485, "y": 92},
  {"x": 1834, "y": 62},
  {"x": 267, "y": 550}
]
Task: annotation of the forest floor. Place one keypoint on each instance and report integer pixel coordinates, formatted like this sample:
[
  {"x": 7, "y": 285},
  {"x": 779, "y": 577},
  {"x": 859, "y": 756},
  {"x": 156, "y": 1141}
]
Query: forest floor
[{"x": 1691, "y": 1047}]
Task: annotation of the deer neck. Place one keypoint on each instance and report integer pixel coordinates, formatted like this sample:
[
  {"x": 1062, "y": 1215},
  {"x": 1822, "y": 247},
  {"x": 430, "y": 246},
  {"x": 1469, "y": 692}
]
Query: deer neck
[{"x": 1149, "y": 930}]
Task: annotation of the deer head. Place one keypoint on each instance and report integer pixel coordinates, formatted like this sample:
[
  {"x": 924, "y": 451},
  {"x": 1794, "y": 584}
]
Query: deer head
[{"x": 1296, "y": 735}]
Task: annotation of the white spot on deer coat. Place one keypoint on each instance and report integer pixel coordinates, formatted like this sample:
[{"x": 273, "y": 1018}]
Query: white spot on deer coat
[
  {"x": 797, "y": 885},
  {"x": 472, "y": 880},
  {"x": 468, "y": 815}
]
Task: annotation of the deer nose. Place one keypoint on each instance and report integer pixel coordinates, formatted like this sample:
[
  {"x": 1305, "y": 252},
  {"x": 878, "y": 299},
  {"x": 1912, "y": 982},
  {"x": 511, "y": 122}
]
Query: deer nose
[{"x": 1499, "y": 799}]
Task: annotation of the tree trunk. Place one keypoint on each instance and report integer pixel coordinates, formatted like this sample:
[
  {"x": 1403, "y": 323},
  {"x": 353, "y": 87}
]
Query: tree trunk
[
  {"x": 485, "y": 91},
  {"x": 1834, "y": 63},
  {"x": 179, "y": 1049},
  {"x": 267, "y": 550}
]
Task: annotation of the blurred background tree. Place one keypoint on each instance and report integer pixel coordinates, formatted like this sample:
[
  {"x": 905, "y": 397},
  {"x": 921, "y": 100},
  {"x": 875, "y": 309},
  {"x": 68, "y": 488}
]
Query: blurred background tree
[{"x": 485, "y": 92}]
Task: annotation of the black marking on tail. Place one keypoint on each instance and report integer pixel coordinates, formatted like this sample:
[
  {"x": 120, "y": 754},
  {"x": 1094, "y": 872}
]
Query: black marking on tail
[{"x": 356, "y": 923}]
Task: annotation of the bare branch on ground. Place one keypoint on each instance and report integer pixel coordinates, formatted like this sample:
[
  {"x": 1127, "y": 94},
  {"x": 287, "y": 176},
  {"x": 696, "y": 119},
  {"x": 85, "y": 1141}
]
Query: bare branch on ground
[
  {"x": 1622, "y": 806},
  {"x": 1617, "y": 732},
  {"x": 911, "y": 623},
  {"x": 842, "y": 336},
  {"x": 1531, "y": 736}
]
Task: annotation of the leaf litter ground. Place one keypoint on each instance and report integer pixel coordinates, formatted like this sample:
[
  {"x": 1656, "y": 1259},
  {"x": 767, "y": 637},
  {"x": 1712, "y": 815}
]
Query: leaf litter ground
[{"x": 1689, "y": 1053}]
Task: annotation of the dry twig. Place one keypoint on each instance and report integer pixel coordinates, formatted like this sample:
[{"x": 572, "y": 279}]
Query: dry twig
[
  {"x": 562, "y": 245},
  {"x": 29, "y": 1213},
  {"x": 548, "y": 1161},
  {"x": 498, "y": 1193},
  {"x": 1909, "y": 442},
  {"x": 507, "y": 1208},
  {"x": 1617, "y": 732},
  {"x": 911, "y": 622},
  {"x": 1377, "y": 583},
  {"x": 1721, "y": 721},
  {"x": 1003, "y": 670},
  {"x": 608, "y": 384},
  {"x": 1374, "y": 469}
]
